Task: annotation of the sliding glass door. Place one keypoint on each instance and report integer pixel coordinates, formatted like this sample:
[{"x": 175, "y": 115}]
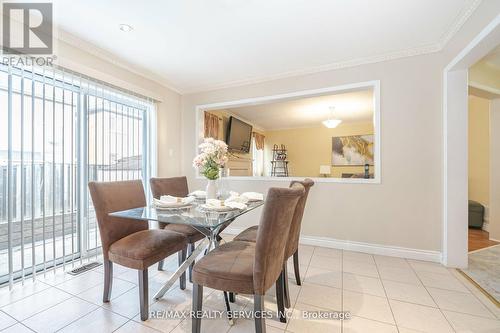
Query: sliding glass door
[{"x": 58, "y": 131}]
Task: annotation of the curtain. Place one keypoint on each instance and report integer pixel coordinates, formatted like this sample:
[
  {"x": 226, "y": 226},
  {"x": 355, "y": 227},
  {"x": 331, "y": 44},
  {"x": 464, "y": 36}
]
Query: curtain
[
  {"x": 211, "y": 126},
  {"x": 259, "y": 140},
  {"x": 258, "y": 159}
]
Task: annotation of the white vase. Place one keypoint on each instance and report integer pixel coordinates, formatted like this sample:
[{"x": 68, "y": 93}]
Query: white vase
[{"x": 211, "y": 189}]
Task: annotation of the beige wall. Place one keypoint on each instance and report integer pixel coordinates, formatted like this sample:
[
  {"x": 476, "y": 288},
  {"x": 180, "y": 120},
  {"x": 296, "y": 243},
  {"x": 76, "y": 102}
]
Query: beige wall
[
  {"x": 168, "y": 111},
  {"x": 308, "y": 148},
  {"x": 405, "y": 210},
  {"x": 479, "y": 150}
]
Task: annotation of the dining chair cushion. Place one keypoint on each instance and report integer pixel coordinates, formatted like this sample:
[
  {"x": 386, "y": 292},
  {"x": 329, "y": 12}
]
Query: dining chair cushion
[
  {"x": 144, "y": 248},
  {"x": 248, "y": 235},
  {"x": 191, "y": 233},
  {"x": 229, "y": 267}
]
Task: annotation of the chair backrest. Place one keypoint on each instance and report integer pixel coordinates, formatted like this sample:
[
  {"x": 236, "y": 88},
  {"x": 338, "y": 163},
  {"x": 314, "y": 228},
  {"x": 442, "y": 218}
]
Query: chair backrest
[
  {"x": 109, "y": 197},
  {"x": 293, "y": 238},
  {"x": 175, "y": 186},
  {"x": 272, "y": 235}
]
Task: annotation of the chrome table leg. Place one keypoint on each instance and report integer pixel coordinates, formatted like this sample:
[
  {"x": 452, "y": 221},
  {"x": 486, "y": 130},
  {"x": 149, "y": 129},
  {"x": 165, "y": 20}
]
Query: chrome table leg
[{"x": 180, "y": 270}]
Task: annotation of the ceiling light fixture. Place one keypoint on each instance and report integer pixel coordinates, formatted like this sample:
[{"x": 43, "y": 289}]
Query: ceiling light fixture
[
  {"x": 331, "y": 122},
  {"x": 125, "y": 27}
]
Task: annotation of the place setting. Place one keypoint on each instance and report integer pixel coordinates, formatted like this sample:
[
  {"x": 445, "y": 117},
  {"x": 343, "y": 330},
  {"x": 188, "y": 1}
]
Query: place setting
[
  {"x": 234, "y": 202},
  {"x": 169, "y": 202},
  {"x": 198, "y": 200}
]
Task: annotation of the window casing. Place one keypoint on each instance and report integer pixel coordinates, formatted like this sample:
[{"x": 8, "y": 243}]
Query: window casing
[{"x": 58, "y": 131}]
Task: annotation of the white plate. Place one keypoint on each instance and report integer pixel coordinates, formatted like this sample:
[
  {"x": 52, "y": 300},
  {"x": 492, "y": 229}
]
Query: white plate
[
  {"x": 254, "y": 200},
  {"x": 171, "y": 207},
  {"x": 160, "y": 204},
  {"x": 218, "y": 209}
]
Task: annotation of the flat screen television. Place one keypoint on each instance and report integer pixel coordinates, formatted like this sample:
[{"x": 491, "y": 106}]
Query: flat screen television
[{"x": 238, "y": 135}]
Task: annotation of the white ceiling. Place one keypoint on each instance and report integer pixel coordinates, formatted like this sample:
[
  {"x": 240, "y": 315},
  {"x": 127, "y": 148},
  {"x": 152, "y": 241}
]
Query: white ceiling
[
  {"x": 350, "y": 107},
  {"x": 200, "y": 45}
]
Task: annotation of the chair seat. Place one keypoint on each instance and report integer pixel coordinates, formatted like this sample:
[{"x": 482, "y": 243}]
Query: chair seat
[
  {"x": 248, "y": 235},
  {"x": 144, "y": 248},
  {"x": 228, "y": 267},
  {"x": 191, "y": 233}
]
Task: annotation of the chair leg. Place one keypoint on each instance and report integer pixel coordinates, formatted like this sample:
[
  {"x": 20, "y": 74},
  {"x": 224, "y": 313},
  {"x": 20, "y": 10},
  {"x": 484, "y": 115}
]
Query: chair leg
[
  {"x": 286, "y": 289},
  {"x": 182, "y": 278},
  {"x": 259, "y": 318},
  {"x": 162, "y": 262},
  {"x": 228, "y": 308},
  {"x": 191, "y": 248},
  {"x": 232, "y": 297},
  {"x": 197, "y": 307},
  {"x": 280, "y": 298},
  {"x": 108, "y": 280},
  {"x": 144, "y": 294},
  {"x": 296, "y": 267}
]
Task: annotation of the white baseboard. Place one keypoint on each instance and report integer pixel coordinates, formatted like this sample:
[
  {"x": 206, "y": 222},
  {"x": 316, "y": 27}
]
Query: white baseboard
[{"x": 383, "y": 250}]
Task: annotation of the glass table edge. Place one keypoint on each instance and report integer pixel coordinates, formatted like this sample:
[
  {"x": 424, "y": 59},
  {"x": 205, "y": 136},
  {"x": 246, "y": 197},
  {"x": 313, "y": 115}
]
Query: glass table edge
[{"x": 127, "y": 214}]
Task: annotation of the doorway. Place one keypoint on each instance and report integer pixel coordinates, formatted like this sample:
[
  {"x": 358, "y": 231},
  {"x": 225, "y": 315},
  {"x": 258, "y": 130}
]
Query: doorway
[{"x": 455, "y": 125}]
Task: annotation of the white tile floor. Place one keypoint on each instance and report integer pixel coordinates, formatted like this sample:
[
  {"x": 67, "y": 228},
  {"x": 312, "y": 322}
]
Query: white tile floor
[{"x": 383, "y": 294}]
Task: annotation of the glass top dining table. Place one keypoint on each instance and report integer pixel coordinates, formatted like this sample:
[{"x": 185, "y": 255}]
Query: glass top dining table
[
  {"x": 209, "y": 222},
  {"x": 194, "y": 215}
]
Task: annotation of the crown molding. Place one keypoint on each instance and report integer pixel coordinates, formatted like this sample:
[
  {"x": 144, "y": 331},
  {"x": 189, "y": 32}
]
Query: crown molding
[
  {"x": 458, "y": 23},
  {"x": 98, "y": 52},
  {"x": 322, "y": 68},
  {"x": 454, "y": 27},
  {"x": 410, "y": 52}
]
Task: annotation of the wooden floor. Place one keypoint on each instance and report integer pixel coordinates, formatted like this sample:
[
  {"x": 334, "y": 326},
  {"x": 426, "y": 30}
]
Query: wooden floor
[{"x": 479, "y": 239}]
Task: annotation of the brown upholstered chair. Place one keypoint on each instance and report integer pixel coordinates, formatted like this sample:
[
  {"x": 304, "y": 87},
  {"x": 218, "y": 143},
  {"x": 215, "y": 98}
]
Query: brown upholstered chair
[
  {"x": 247, "y": 267},
  {"x": 129, "y": 242},
  {"x": 177, "y": 187},
  {"x": 292, "y": 246}
]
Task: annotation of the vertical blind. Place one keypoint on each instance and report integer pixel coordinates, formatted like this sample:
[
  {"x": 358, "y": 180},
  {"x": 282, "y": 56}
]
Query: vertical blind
[{"x": 58, "y": 131}]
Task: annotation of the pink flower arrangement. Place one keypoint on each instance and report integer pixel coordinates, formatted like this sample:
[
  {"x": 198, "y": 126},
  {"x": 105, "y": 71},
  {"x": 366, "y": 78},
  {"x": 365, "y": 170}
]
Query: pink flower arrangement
[{"x": 212, "y": 157}]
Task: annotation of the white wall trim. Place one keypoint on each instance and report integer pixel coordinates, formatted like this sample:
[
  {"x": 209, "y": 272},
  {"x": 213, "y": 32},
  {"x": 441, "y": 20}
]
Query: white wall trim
[
  {"x": 455, "y": 92},
  {"x": 458, "y": 23},
  {"x": 374, "y": 84},
  {"x": 377, "y": 249}
]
